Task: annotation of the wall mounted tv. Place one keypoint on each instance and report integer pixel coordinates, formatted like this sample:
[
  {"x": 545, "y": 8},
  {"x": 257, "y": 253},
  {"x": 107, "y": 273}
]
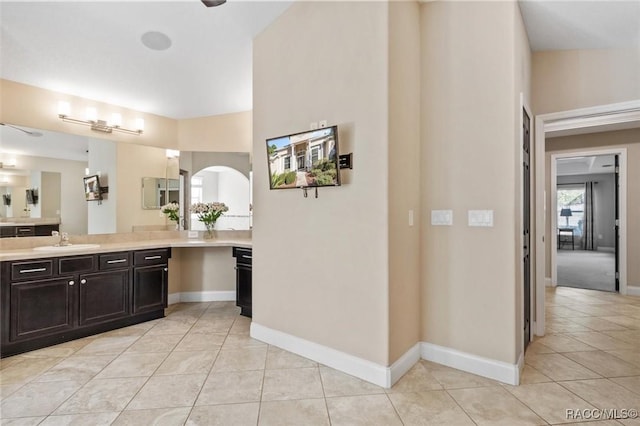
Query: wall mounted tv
[
  {"x": 92, "y": 188},
  {"x": 303, "y": 160}
]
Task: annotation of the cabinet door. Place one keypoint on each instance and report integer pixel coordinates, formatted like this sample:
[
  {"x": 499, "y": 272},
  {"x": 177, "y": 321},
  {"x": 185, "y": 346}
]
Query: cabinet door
[
  {"x": 104, "y": 296},
  {"x": 150, "y": 288},
  {"x": 243, "y": 289},
  {"x": 43, "y": 307}
]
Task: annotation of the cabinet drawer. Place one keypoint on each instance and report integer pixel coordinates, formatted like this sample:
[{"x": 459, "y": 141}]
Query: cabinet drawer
[
  {"x": 7, "y": 231},
  {"x": 69, "y": 265},
  {"x": 243, "y": 256},
  {"x": 25, "y": 231},
  {"x": 151, "y": 257},
  {"x": 31, "y": 269},
  {"x": 114, "y": 260}
]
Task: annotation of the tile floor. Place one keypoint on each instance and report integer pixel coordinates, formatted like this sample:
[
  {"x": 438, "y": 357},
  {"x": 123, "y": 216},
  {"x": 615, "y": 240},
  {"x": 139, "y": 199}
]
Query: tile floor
[{"x": 198, "y": 366}]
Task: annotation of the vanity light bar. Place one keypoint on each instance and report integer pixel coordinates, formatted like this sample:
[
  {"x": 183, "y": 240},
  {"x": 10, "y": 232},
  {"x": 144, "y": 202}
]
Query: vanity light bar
[{"x": 96, "y": 124}]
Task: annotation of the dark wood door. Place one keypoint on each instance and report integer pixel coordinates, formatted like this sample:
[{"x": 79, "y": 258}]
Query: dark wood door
[
  {"x": 150, "y": 288},
  {"x": 43, "y": 307},
  {"x": 526, "y": 225},
  {"x": 617, "y": 220},
  {"x": 243, "y": 289},
  {"x": 104, "y": 296}
]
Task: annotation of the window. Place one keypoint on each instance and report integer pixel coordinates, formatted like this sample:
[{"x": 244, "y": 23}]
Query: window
[
  {"x": 196, "y": 189},
  {"x": 315, "y": 155},
  {"x": 570, "y": 207},
  {"x": 287, "y": 162}
]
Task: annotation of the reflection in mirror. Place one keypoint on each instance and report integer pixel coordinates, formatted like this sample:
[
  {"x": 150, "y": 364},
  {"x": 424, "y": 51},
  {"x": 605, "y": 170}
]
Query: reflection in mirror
[
  {"x": 225, "y": 185},
  {"x": 59, "y": 162},
  {"x": 156, "y": 192}
]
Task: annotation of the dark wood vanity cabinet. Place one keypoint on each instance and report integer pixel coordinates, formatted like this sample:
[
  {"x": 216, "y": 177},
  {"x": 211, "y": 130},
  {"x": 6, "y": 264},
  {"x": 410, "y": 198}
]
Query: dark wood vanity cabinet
[
  {"x": 244, "y": 261},
  {"x": 50, "y": 301},
  {"x": 150, "y": 282},
  {"x": 27, "y": 230}
]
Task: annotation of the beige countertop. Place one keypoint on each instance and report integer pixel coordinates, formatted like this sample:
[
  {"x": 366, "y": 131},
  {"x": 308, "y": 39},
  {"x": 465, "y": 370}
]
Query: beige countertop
[{"x": 112, "y": 245}]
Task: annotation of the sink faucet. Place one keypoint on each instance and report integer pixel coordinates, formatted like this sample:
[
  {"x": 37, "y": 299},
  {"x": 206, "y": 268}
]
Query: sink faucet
[{"x": 64, "y": 238}]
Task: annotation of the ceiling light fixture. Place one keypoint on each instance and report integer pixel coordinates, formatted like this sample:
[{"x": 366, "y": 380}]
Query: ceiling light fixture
[
  {"x": 91, "y": 120},
  {"x": 156, "y": 40},
  {"x": 28, "y": 132},
  {"x": 213, "y": 3}
]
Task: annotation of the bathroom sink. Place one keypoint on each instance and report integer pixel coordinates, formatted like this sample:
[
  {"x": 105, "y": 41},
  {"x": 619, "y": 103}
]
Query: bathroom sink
[{"x": 70, "y": 247}]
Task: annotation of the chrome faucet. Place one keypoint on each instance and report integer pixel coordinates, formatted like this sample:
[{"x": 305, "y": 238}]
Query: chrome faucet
[{"x": 64, "y": 238}]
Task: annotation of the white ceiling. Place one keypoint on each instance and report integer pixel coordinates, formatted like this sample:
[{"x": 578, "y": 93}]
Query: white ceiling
[
  {"x": 585, "y": 165},
  {"x": 561, "y": 25},
  {"x": 14, "y": 143},
  {"x": 93, "y": 49}
]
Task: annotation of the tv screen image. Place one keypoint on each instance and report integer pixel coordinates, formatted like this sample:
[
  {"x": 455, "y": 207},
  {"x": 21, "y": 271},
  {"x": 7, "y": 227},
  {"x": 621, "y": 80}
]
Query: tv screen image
[
  {"x": 92, "y": 188},
  {"x": 306, "y": 159}
]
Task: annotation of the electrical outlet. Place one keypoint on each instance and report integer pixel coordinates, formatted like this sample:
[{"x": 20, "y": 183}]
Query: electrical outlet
[
  {"x": 323, "y": 123},
  {"x": 192, "y": 234}
]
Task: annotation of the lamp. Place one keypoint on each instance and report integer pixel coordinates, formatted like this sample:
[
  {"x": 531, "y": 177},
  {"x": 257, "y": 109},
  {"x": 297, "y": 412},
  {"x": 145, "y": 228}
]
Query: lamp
[
  {"x": 99, "y": 125},
  {"x": 566, "y": 213}
]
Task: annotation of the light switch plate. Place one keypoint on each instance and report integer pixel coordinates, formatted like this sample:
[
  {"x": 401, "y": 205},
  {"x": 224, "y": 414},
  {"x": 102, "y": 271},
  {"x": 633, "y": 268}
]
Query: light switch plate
[
  {"x": 481, "y": 218},
  {"x": 442, "y": 217}
]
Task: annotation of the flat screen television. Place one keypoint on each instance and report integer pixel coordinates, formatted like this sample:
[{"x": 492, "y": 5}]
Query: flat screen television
[
  {"x": 305, "y": 159},
  {"x": 92, "y": 188},
  {"x": 32, "y": 196}
]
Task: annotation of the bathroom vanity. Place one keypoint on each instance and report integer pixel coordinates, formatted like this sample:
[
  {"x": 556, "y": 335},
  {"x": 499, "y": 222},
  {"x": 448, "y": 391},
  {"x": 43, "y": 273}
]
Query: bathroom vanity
[{"x": 46, "y": 301}]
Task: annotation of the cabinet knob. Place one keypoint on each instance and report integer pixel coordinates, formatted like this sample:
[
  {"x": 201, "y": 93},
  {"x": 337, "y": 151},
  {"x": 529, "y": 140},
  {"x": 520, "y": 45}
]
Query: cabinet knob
[
  {"x": 72, "y": 282},
  {"x": 166, "y": 269},
  {"x": 83, "y": 281}
]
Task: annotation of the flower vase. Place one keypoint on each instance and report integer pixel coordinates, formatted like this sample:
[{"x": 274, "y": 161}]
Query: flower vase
[
  {"x": 177, "y": 226},
  {"x": 208, "y": 234}
]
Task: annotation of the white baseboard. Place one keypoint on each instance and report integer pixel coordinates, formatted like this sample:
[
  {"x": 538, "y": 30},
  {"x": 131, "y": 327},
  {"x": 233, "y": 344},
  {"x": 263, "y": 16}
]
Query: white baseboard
[
  {"x": 607, "y": 249},
  {"x": 364, "y": 369},
  {"x": 486, "y": 367},
  {"x": 386, "y": 376},
  {"x": 201, "y": 296},
  {"x": 547, "y": 282},
  {"x": 404, "y": 364},
  {"x": 633, "y": 290}
]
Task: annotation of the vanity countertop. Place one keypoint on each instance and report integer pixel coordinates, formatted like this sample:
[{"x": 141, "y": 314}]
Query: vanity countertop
[{"x": 30, "y": 253}]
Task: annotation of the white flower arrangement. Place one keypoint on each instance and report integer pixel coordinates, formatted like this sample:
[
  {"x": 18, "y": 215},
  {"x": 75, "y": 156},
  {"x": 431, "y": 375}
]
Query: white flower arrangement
[
  {"x": 172, "y": 211},
  {"x": 208, "y": 213}
]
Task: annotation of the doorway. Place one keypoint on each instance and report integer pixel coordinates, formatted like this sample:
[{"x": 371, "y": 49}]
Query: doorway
[
  {"x": 585, "y": 120},
  {"x": 585, "y": 215}
]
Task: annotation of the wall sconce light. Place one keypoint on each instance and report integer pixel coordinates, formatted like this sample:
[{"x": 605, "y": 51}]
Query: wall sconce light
[
  {"x": 173, "y": 153},
  {"x": 99, "y": 125},
  {"x": 7, "y": 163}
]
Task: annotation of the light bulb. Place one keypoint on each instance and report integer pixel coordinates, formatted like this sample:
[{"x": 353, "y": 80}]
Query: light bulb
[
  {"x": 64, "y": 109},
  {"x": 92, "y": 114}
]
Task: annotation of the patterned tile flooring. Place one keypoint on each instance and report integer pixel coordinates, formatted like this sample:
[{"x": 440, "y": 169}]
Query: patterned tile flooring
[{"x": 198, "y": 366}]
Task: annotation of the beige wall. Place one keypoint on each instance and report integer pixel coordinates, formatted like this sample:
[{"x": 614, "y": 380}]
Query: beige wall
[
  {"x": 629, "y": 139},
  {"x": 130, "y": 171},
  {"x": 325, "y": 260},
  {"x": 31, "y": 106},
  {"x": 207, "y": 269},
  {"x": 223, "y": 133},
  {"x": 50, "y": 194},
  {"x": 404, "y": 177},
  {"x": 570, "y": 79},
  {"x": 470, "y": 160}
]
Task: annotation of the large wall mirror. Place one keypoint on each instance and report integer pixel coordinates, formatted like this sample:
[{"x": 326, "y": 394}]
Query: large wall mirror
[{"x": 55, "y": 164}]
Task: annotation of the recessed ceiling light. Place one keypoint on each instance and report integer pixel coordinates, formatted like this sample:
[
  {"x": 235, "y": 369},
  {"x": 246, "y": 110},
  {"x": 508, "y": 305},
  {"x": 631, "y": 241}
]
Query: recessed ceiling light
[{"x": 156, "y": 40}]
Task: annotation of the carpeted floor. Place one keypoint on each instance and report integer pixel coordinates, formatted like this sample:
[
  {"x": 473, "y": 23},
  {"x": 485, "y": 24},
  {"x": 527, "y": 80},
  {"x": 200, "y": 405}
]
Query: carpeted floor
[{"x": 593, "y": 270}]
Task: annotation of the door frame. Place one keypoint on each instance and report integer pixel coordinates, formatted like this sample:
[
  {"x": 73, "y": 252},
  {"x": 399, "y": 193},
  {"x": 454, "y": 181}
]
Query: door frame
[
  {"x": 524, "y": 107},
  {"x": 585, "y": 120},
  {"x": 622, "y": 204}
]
